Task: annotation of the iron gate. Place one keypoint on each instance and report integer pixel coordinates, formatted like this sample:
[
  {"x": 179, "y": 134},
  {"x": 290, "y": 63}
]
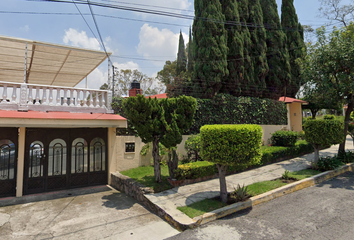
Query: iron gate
[
  {"x": 64, "y": 158},
  {"x": 8, "y": 161}
]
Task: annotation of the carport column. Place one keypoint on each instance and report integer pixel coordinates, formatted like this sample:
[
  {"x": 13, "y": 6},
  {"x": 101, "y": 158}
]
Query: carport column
[
  {"x": 112, "y": 149},
  {"x": 20, "y": 161}
]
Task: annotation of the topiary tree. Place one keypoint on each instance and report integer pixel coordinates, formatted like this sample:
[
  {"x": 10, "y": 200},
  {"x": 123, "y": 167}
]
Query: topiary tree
[
  {"x": 228, "y": 145},
  {"x": 158, "y": 120},
  {"x": 321, "y": 133},
  {"x": 193, "y": 146}
]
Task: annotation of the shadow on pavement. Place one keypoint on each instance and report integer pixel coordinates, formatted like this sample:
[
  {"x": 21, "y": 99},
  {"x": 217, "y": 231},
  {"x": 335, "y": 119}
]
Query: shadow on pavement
[
  {"x": 118, "y": 201},
  {"x": 344, "y": 181}
]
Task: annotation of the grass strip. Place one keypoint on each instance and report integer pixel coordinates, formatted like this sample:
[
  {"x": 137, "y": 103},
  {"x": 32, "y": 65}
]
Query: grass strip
[{"x": 201, "y": 207}]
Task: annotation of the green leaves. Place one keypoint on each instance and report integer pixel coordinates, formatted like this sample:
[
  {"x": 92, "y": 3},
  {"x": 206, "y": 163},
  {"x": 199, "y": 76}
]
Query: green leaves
[
  {"x": 324, "y": 132},
  {"x": 231, "y": 144}
]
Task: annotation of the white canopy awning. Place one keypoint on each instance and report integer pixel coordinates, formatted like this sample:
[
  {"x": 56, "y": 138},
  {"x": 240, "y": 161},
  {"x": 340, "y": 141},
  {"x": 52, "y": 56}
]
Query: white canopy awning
[{"x": 47, "y": 64}]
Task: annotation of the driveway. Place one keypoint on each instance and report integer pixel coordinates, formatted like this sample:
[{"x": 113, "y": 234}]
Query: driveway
[
  {"x": 90, "y": 213},
  {"x": 322, "y": 212}
]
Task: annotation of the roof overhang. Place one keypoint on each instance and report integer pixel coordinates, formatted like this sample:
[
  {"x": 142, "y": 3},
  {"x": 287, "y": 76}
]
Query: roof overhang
[
  {"x": 60, "y": 120},
  {"x": 47, "y": 64},
  {"x": 289, "y": 100}
]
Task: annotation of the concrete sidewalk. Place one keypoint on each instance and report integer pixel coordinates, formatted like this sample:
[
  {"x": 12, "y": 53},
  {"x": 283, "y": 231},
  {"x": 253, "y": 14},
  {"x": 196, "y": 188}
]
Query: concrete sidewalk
[{"x": 185, "y": 195}]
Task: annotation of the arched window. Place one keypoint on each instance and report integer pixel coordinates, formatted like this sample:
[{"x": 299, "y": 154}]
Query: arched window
[
  {"x": 97, "y": 155},
  {"x": 7, "y": 159},
  {"x": 57, "y": 158},
  {"x": 36, "y": 154},
  {"x": 79, "y": 156}
]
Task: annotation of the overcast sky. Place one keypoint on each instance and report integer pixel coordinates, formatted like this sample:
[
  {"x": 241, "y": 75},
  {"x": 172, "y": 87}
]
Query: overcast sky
[{"x": 137, "y": 40}]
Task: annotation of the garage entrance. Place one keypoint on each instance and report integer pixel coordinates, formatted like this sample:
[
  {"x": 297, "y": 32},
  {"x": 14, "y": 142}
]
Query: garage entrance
[
  {"x": 8, "y": 161},
  {"x": 58, "y": 159}
]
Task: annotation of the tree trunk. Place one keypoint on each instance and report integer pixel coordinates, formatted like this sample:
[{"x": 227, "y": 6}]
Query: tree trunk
[
  {"x": 341, "y": 149},
  {"x": 172, "y": 162},
  {"x": 222, "y": 179},
  {"x": 313, "y": 113},
  {"x": 317, "y": 154},
  {"x": 156, "y": 157}
]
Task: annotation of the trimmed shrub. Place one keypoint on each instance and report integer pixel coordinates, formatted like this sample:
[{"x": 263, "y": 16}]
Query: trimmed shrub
[
  {"x": 321, "y": 133},
  {"x": 230, "y": 145},
  {"x": 329, "y": 117},
  {"x": 327, "y": 163},
  {"x": 195, "y": 170},
  {"x": 193, "y": 147},
  {"x": 284, "y": 138}
]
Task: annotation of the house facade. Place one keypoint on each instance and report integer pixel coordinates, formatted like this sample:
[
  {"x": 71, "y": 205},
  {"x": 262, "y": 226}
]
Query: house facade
[{"x": 53, "y": 136}]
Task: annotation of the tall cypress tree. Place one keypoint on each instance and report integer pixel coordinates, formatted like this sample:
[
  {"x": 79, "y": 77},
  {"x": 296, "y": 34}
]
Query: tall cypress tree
[
  {"x": 259, "y": 46},
  {"x": 232, "y": 83},
  {"x": 210, "y": 48},
  {"x": 277, "y": 53},
  {"x": 295, "y": 43},
  {"x": 181, "y": 56},
  {"x": 190, "y": 53},
  {"x": 248, "y": 80}
]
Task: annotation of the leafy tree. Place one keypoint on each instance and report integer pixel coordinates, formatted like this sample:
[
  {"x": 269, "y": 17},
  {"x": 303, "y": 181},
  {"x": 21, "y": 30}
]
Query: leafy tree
[
  {"x": 190, "y": 66},
  {"x": 230, "y": 145},
  {"x": 159, "y": 120},
  {"x": 277, "y": 53},
  {"x": 330, "y": 68},
  {"x": 168, "y": 73},
  {"x": 235, "y": 65},
  {"x": 124, "y": 78},
  {"x": 248, "y": 80},
  {"x": 335, "y": 11},
  {"x": 210, "y": 48},
  {"x": 295, "y": 44},
  {"x": 259, "y": 46},
  {"x": 181, "y": 56}
]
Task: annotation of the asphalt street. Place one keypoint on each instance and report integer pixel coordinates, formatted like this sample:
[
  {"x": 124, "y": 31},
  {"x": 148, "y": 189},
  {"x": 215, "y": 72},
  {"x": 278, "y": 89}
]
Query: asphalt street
[{"x": 324, "y": 211}]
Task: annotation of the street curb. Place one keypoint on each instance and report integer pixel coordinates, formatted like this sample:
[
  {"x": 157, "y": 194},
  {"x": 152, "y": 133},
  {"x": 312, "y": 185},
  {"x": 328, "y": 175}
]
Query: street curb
[{"x": 265, "y": 197}]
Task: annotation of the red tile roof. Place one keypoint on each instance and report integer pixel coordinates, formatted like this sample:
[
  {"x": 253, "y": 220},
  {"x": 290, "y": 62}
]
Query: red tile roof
[
  {"x": 291, "y": 100},
  {"x": 162, "y": 95},
  {"x": 59, "y": 115}
]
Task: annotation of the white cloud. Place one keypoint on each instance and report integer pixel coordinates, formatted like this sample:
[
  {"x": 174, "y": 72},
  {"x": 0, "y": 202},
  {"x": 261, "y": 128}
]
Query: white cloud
[
  {"x": 95, "y": 80},
  {"x": 25, "y": 28},
  {"x": 128, "y": 65},
  {"x": 155, "y": 42},
  {"x": 80, "y": 39}
]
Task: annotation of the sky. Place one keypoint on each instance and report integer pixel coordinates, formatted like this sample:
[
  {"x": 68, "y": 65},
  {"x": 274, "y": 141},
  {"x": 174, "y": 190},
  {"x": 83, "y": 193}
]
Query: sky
[{"x": 137, "y": 40}]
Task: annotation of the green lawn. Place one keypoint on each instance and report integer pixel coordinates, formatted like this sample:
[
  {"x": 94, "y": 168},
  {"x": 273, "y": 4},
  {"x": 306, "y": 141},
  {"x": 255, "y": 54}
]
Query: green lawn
[
  {"x": 145, "y": 175},
  {"x": 208, "y": 205}
]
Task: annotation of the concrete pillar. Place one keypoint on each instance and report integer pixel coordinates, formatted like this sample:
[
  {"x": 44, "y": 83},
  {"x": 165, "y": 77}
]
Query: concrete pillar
[
  {"x": 112, "y": 163},
  {"x": 20, "y": 161},
  {"x": 289, "y": 116}
]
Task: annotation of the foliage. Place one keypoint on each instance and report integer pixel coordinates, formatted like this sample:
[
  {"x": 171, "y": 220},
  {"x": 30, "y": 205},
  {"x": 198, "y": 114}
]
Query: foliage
[
  {"x": 259, "y": 47},
  {"x": 329, "y": 117},
  {"x": 323, "y": 132},
  {"x": 231, "y": 144},
  {"x": 295, "y": 44},
  {"x": 210, "y": 48},
  {"x": 334, "y": 11},
  {"x": 125, "y": 77},
  {"x": 274, "y": 154},
  {"x": 329, "y": 67},
  {"x": 227, "y": 109},
  {"x": 284, "y": 138},
  {"x": 346, "y": 157},
  {"x": 190, "y": 65},
  {"x": 240, "y": 194},
  {"x": 193, "y": 146},
  {"x": 327, "y": 163},
  {"x": 181, "y": 56},
  {"x": 195, "y": 170},
  {"x": 277, "y": 52},
  {"x": 168, "y": 73},
  {"x": 285, "y": 175},
  {"x": 235, "y": 63}
]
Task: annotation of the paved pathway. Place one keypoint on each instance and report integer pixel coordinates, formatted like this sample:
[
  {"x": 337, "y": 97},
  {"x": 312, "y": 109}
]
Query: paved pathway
[
  {"x": 89, "y": 213},
  {"x": 185, "y": 195}
]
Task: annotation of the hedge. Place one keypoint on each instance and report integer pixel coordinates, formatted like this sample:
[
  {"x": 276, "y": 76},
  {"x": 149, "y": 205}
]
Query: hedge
[
  {"x": 284, "y": 138},
  {"x": 231, "y": 144},
  {"x": 227, "y": 109},
  {"x": 270, "y": 155},
  {"x": 324, "y": 132}
]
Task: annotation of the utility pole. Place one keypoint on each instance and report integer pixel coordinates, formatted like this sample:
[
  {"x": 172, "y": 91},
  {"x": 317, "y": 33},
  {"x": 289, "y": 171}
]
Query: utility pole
[{"x": 113, "y": 75}]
